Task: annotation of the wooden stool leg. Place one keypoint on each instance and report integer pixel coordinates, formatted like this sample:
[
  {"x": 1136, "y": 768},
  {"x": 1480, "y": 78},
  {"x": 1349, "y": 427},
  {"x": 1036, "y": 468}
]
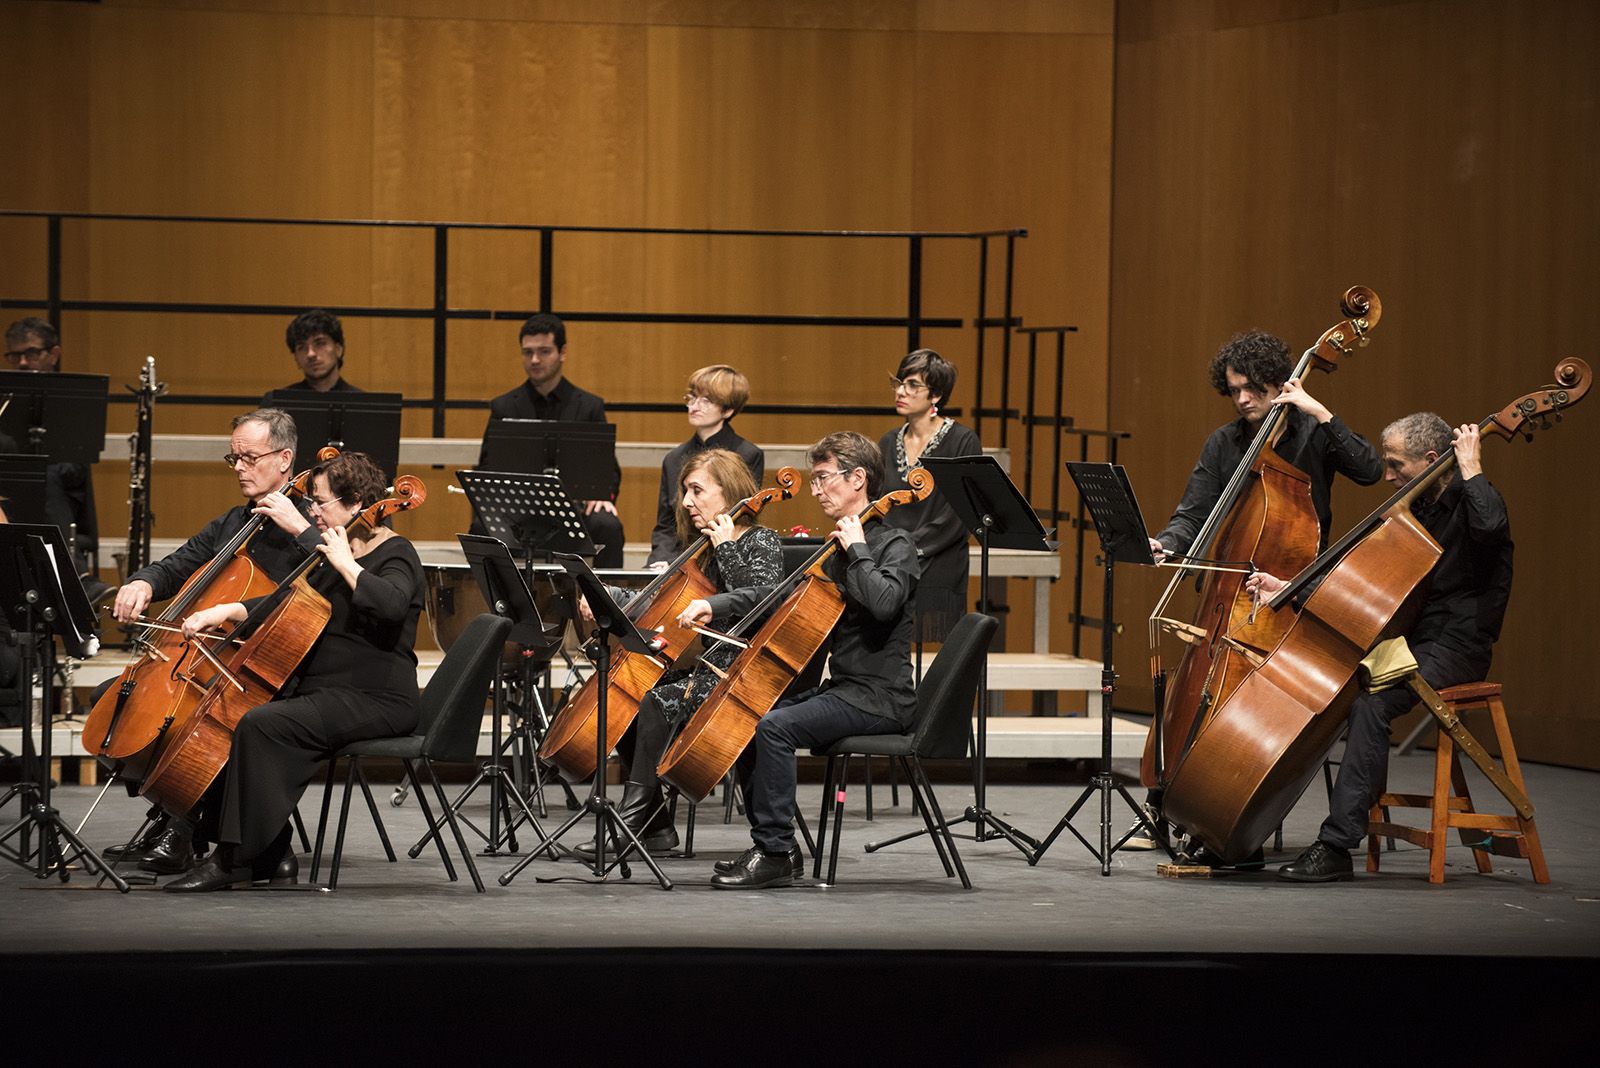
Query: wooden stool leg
[
  {"x": 1508, "y": 758},
  {"x": 1471, "y": 837},
  {"x": 1443, "y": 758}
]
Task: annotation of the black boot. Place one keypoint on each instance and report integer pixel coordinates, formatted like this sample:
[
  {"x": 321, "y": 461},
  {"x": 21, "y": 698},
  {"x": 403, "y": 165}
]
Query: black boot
[
  {"x": 148, "y": 839},
  {"x": 172, "y": 852},
  {"x": 640, "y": 802}
]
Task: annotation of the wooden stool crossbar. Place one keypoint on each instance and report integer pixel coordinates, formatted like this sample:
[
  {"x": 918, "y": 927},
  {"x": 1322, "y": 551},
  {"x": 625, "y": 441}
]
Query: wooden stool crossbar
[{"x": 1484, "y": 833}]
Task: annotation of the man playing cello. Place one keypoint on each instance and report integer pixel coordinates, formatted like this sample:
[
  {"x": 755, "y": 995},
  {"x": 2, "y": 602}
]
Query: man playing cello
[{"x": 1463, "y": 602}]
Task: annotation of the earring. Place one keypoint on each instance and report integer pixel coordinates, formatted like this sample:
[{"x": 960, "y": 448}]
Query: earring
[{"x": 933, "y": 409}]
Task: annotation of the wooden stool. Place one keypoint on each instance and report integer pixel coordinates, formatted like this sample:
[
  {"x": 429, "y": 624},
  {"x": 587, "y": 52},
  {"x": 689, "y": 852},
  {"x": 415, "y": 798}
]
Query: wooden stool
[{"x": 1509, "y": 836}]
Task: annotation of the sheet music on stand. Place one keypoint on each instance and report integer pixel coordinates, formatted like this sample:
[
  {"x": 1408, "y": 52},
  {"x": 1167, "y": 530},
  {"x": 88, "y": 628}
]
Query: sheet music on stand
[{"x": 530, "y": 512}]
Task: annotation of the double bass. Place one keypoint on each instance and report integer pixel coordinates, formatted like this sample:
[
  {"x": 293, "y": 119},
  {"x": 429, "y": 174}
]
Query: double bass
[
  {"x": 1266, "y": 517},
  {"x": 569, "y": 744},
  {"x": 197, "y": 746},
  {"x": 1252, "y": 760},
  {"x": 158, "y": 687},
  {"x": 723, "y": 725}
]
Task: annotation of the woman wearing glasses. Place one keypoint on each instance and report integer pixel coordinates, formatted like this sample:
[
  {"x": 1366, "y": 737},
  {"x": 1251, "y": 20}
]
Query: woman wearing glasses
[
  {"x": 922, "y": 386},
  {"x": 715, "y": 395},
  {"x": 358, "y": 681}
]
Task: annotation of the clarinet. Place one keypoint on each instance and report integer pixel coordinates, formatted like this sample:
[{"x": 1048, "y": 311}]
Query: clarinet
[{"x": 140, "y": 517}]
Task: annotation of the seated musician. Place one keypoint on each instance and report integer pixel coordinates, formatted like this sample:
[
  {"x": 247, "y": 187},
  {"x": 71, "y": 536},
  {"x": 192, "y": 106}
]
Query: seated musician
[
  {"x": 261, "y": 451},
  {"x": 869, "y": 689},
  {"x": 548, "y": 395},
  {"x": 358, "y": 681},
  {"x": 1463, "y": 603},
  {"x": 1252, "y": 370},
  {"x": 743, "y": 555},
  {"x": 715, "y": 395},
  {"x": 316, "y": 341}
]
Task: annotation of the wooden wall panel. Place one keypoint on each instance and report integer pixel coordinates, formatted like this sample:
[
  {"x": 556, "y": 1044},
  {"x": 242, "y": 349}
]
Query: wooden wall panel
[{"x": 1439, "y": 152}]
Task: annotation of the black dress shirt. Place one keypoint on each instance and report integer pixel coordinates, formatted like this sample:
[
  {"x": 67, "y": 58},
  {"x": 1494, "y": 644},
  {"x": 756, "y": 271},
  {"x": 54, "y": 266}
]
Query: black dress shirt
[
  {"x": 870, "y": 663},
  {"x": 566, "y": 403},
  {"x": 939, "y": 534},
  {"x": 1464, "y": 596},
  {"x": 664, "y": 543},
  {"x": 272, "y": 550},
  {"x": 1319, "y": 450}
]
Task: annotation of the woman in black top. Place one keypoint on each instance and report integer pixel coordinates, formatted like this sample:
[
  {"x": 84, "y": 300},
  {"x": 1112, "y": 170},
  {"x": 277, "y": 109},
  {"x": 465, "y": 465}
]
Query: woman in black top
[
  {"x": 742, "y": 555},
  {"x": 921, "y": 385},
  {"x": 358, "y": 681}
]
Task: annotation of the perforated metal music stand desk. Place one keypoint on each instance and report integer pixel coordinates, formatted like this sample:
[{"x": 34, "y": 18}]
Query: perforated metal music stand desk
[
  {"x": 44, "y": 599},
  {"x": 996, "y": 513},
  {"x": 610, "y": 622},
  {"x": 582, "y": 454},
  {"x": 345, "y": 419},
  {"x": 529, "y": 511},
  {"x": 1108, "y": 495}
]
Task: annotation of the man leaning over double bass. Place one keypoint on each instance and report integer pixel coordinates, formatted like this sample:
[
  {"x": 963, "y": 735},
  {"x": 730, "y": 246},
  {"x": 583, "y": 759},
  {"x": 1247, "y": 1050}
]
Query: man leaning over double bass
[
  {"x": 261, "y": 452},
  {"x": 1463, "y": 602}
]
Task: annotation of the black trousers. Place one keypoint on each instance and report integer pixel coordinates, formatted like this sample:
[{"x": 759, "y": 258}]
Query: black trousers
[
  {"x": 605, "y": 530},
  {"x": 277, "y": 749},
  {"x": 1364, "y": 769}
]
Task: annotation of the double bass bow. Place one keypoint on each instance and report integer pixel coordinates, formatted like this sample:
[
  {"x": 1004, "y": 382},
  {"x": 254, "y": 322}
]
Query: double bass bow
[
  {"x": 197, "y": 746},
  {"x": 723, "y": 725},
  {"x": 157, "y": 688},
  {"x": 1252, "y": 760},
  {"x": 569, "y": 744},
  {"x": 1265, "y": 516}
]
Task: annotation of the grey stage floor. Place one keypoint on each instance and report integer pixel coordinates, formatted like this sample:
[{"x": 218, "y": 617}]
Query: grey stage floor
[{"x": 895, "y": 899}]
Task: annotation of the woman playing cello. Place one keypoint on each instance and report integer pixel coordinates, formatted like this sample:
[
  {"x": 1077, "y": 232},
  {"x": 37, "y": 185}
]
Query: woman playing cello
[
  {"x": 358, "y": 681},
  {"x": 743, "y": 555}
]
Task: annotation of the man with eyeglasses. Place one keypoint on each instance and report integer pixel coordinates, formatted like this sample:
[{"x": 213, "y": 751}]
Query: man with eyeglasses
[
  {"x": 34, "y": 344},
  {"x": 316, "y": 341},
  {"x": 261, "y": 452},
  {"x": 548, "y": 395},
  {"x": 715, "y": 395},
  {"x": 869, "y": 688}
]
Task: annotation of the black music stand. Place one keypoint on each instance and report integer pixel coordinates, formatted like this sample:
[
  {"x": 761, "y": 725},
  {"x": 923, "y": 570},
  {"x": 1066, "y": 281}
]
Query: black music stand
[
  {"x": 23, "y": 487},
  {"x": 999, "y": 516},
  {"x": 345, "y": 419},
  {"x": 507, "y": 594},
  {"x": 1109, "y": 497},
  {"x": 532, "y": 512},
  {"x": 58, "y": 416},
  {"x": 582, "y": 455},
  {"x": 44, "y": 598},
  {"x": 610, "y": 621}
]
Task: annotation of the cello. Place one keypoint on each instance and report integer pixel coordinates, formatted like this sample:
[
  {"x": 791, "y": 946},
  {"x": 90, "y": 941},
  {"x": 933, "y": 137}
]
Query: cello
[
  {"x": 157, "y": 687},
  {"x": 1265, "y": 516},
  {"x": 1252, "y": 760},
  {"x": 569, "y": 744},
  {"x": 723, "y": 725},
  {"x": 197, "y": 747}
]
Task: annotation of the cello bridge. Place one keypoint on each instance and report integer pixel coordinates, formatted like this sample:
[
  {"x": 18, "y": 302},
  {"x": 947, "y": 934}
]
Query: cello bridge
[{"x": 1255, "y": 658}]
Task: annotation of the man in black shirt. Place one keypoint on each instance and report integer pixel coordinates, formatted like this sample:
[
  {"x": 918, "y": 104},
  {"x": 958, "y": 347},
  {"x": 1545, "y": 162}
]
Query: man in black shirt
[
  {"x": 33, "y": 344},
  {"x": 548, "y": 395},
  {"x": 261, "y": 452},
  {"x": 869, "y": 688},
  {"x": 316, "y": 340},
  {"x": 1463, "y": 602},
  {"x": 715, "y": 396}
]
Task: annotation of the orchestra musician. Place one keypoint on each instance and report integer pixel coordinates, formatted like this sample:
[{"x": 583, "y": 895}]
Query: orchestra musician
[
  {"x": 744, "y": 555},
  {"x": 1252, "y": 370},
  {"x": 548, "y": 395},
  {"x": 922, "y": 384},
  {"x": 34, "y": 344},
  {"x": 358, "y": 681},
  {"x": 261, "y": 451},
  {"x": 316, "y": 340},
  {"x": 869, "y": 689},
  {"x": 715, "y": 395},
  {"x": 1463, "y": 602}
]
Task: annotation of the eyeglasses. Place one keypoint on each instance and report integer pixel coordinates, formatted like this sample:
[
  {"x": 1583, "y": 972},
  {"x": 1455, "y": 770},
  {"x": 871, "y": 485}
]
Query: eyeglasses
[
  {"x": 318, "y": 505},
  {"x": 692, "y": 399},
  {"x": 34, "y": 353},
  {"x": 820, "y": 479},
  {"x": 233, "y": 459},
  {"x": 910, "y": 385}
]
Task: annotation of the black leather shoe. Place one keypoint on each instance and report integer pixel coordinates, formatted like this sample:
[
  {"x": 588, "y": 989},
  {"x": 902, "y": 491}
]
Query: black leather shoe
[
  {"x": 1319, "y": 863},
  {"x": 148, "y": 839},
  {"x": 212, "y": 875},
  {"x": 286, "y": 872},
  {"x": 797, "y": 863},
  {"x": 756, "y": 869},
  {"x": 171, "y": 854}
]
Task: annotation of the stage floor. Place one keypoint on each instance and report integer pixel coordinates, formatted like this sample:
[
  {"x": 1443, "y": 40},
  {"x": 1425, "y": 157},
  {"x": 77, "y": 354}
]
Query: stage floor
[{"x": 891, "y": 912}]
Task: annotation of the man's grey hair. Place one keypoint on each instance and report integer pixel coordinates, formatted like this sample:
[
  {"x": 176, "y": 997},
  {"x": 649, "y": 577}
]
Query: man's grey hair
[
  {"x": 281, "y": 433},
  {"x": 1419, "y": 433}
]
